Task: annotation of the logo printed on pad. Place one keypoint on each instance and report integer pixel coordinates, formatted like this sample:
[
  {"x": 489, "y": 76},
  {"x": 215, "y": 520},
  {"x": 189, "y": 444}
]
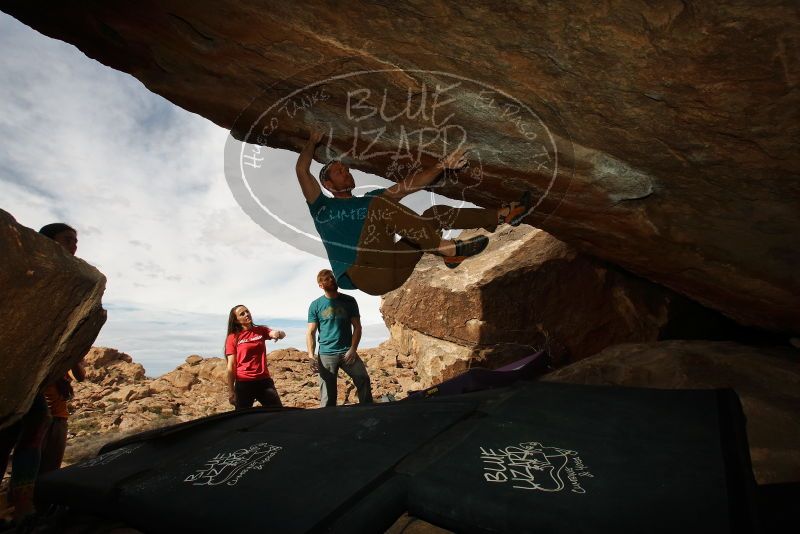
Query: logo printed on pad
[
  {"x": 532, "y": 466},
  {"x": 107, "y": 458},
  {"x": 229, "y": 467}
]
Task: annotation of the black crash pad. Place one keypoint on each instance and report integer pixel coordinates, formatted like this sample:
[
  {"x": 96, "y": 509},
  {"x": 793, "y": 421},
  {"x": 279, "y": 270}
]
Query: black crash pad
[
  {"x": 533, "y": 457},
  {"x": 564, "y": 458}
]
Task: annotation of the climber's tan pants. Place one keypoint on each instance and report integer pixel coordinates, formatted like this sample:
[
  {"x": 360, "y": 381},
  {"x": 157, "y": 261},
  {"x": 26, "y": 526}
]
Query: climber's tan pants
[{"x": 383, "y": 264}]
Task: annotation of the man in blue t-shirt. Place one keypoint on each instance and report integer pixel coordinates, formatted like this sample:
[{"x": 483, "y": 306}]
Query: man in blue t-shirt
[
  {"x": 359, "y": 232},
  {"x": 334, "y": 316}
]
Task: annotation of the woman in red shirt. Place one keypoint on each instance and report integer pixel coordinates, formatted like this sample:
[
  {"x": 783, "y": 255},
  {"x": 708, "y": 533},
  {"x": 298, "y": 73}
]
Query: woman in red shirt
[{"x": 246, "y": 352}]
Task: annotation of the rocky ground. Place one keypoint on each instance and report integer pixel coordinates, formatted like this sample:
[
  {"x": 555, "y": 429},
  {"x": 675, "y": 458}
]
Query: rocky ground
[{"x": 117, "y": 399}]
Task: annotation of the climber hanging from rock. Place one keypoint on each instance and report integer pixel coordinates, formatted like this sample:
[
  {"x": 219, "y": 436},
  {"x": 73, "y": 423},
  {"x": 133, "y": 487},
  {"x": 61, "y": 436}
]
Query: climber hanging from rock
[{"x": 359, "y": 232}]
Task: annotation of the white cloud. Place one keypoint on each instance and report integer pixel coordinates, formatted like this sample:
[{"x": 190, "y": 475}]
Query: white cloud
[{"x": 142, "y": 181}]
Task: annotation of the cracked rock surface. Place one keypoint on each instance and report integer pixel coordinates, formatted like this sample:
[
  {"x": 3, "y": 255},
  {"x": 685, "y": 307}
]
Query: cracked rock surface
[
  {"x": 526, "y": 292},
  {"x": 660, "y": 137}
]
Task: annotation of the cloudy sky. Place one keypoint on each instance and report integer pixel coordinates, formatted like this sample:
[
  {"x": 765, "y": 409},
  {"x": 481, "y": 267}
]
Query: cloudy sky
[{"x": 142, "y": 181}]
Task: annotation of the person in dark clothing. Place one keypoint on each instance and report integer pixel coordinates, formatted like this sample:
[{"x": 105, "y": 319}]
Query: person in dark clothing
[
  {"x": 27, "y": 436},
  {"x": 59, "y": 392}
]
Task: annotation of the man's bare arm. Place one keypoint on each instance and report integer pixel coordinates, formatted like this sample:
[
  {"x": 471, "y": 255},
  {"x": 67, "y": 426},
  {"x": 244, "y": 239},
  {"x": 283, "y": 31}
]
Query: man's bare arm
[
  {"x": 308, "y": 183},
  {"x": 427, "y": 176},
  {"x": 311, "y": 345},
  {"x": 353, "y": 351},
  {"x": 356, "y": 322}
]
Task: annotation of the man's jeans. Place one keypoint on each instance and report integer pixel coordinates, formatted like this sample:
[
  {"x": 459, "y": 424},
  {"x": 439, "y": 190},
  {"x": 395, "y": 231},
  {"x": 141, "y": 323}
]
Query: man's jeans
[{"x": 329, "y": 365}]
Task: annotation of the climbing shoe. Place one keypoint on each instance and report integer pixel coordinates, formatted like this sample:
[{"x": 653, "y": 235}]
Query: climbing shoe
[
  {"x": 465, "y": 249},
  {"x": 518, "y": 210}
]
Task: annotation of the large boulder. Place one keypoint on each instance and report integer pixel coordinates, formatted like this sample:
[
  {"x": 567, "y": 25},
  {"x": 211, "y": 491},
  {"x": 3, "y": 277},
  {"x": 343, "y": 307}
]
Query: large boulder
[
  {"x": 526, "y": 292},
  {"x": 767, "y": 380},
  {"x": 50, "y": 316},
  {"x": 109, "y": 366},
  {"x": 663, "y": 137}
]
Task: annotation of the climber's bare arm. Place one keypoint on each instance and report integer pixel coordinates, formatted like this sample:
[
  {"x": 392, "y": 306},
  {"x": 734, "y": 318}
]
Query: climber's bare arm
[
  {"x": 427, "y": 176},
  {"x": 308, "y": 183}
]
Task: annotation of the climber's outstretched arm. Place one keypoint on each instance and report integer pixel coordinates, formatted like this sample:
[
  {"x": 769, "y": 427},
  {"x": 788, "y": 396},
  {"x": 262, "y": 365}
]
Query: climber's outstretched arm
[
  {"x": 308, "y": 183},
  {"x": 427, "y": 176}
]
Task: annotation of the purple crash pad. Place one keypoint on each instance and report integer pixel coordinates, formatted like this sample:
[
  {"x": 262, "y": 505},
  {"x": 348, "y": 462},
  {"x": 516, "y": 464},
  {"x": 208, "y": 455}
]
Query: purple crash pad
[{"x": 479, "y": 378}]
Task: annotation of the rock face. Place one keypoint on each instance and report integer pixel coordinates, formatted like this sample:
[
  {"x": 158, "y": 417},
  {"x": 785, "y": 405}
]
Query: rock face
[
  {"x": 117, "y": 399},
  {"x": 526, "y": 292},
  {"x": 51, "y": 314},
  {"x": 766, "y": 379},
  {"x": 108, "y": 367},
  {"x": 662, "y": 138}
]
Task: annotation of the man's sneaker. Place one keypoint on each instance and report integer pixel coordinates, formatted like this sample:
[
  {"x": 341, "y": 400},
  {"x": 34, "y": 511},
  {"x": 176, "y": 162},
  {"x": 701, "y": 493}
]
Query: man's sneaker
[
  {"x": 465, "y": 249},
  {"x": 518, "y": 210}
]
